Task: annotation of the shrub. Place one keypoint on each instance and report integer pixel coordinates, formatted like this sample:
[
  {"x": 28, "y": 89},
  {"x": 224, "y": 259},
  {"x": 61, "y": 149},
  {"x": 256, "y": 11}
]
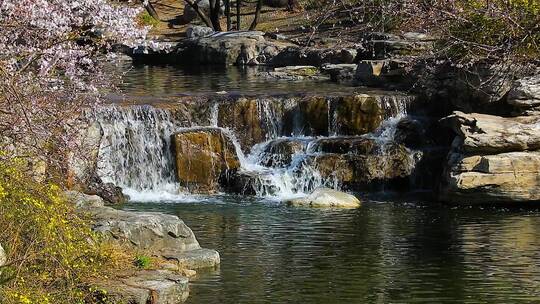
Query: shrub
[
  {"x": 142, "y": 261},
  {"x": 52, "y": 252}
]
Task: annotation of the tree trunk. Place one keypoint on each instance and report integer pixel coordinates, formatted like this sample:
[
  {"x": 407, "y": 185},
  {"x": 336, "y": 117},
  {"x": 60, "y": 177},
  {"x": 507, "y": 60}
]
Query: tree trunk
[
  {"x": 238, "y": 6},
  {"x": 215, "y": 8},
  {"x": 228, "y": 14},
  {"x": 257, "y": 15},
  {"x": 150, "y": 9},
  {"x": 201, "y": 14}
]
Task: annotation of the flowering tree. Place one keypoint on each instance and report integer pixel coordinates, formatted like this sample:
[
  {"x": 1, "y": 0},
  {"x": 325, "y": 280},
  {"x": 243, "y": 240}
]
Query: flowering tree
[{"x": 49, "y": 69}]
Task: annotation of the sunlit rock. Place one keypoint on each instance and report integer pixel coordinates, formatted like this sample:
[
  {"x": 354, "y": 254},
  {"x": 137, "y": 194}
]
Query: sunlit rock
[
  {"x": 3, "y": 257},
  {"x": 326, "y": 198},
  {"x": 204, "y": 156}
]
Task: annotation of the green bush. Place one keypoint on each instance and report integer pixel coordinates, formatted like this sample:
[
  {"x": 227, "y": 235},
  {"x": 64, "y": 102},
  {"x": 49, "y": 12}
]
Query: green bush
[
  {"x": 145, "y": 19},
  {"x": 142, "y": 261},
  {"x": 52, "y": 252}
]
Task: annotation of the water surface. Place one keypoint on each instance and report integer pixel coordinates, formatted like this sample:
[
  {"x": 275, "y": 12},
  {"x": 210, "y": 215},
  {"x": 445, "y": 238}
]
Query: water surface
[
  {"x": 174, "y": 80},
  {"x": 388, "y": 251}
]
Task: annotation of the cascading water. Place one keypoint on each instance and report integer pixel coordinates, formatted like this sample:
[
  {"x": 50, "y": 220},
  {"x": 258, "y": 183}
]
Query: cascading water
[
  {"x": 135, "y": 152},
  {"x": 300, "y": 177},
  {"x": 136, "y": 149}
]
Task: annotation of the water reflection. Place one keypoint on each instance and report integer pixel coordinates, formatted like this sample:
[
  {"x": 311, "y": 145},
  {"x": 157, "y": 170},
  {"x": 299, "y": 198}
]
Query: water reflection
[
  {"x": 380, "y": 253},
  {"x": 173, "y": 80}
]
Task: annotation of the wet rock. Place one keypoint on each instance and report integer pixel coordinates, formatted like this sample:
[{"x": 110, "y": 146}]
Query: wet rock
[
  {"x": 340, "y": 72},
  {"x": 147, "y": 286},
  {"x": 280, "y": 152},
  {"x": 525, "y": 94},
  {"x": 203, "y": 157},
  {"x": 111, "y": 193},
  {"x": 411, "y": 133},
  {"x": 386, "y": 73},
  {"x": 326, "y": 198},
  {"x": 505, "y": 177},
  {"x": 489, "y": 134},
  {"x": 356, "y": 115},
  {"x": 196, "y": 32},
  {"x": 244, "y": 118},
  {"x": 360, "y": 171}
]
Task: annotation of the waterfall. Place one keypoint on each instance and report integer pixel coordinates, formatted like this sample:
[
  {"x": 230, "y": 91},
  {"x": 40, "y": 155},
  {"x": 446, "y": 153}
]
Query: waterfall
[{"x": 135, "y": 151}]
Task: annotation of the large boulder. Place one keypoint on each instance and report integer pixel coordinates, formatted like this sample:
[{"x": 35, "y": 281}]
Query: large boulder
[
  {"x": 203, "y": 157},
  {"x": 162, "y": 235},
  {"x": 489, "y": 134},
  {"x": 146, "y": 286},
  {"x": 326, "y": 198},
  {"x": 505, "y": 177},
  {"x": 229, "y": 48}
]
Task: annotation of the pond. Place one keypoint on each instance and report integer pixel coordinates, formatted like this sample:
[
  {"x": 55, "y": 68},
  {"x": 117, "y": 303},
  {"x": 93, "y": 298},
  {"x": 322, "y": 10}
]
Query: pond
[
  {"x": 391, "y": 250},
  {"x": 174, "y": 80}
]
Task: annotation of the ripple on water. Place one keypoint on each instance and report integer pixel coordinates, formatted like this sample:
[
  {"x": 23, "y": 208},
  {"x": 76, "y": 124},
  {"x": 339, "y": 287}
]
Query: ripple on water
[{"x": 380, "y": 253}]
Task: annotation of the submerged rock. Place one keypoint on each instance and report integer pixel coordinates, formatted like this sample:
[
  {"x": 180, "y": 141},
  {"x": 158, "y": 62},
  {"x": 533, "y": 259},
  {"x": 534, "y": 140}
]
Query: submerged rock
[
  {"x": 326, "y": 198},
  {"x": 203, "y": 157},
  {"x": 147, "y": 286}
]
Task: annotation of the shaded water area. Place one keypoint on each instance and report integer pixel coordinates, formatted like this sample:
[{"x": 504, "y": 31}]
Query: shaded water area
[{"x": 389, "y": 251}]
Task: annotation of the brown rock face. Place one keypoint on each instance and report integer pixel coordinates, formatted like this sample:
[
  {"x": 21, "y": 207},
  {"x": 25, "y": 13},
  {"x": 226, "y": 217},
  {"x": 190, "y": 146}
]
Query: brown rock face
[
  {"x": 242, "y": 116},
  {"x": 203, "y": 156},
  {"x": 357, "y": 114}
]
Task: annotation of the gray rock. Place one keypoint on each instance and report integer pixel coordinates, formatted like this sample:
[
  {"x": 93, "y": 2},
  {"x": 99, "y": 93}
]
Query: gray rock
[
  {"x": 147, "y": 286},
  {"x": 326, "y": 198},
  {"x": 3, "y": 257},
  {"x": 340, "y": 72},
  {"x": 196, "y": 32},
  {"x": 525, "y": 93},
  {"x": 144, "y": 230},
  {"x": 294, "y": 55},
  {"x": 488, "y": 134},
  {"x": 505, "y": 177},
  {"x": 228, "y": 48},
  {"x": 84, "y": 201},
  {"x": 159, "y": 234}
]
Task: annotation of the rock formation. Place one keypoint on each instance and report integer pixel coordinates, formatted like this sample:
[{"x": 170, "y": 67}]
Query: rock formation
[{"x": 326, "y": 198}]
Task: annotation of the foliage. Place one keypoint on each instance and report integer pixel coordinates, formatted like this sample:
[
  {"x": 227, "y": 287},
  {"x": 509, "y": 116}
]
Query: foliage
[
  {"x": 468, "y": 31},
  {"x": 142, "y": 261},
  {"x": 145, "y": 19},
  {"x": 49, "y": 71},
  {"x": 52, "y": 252}
]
